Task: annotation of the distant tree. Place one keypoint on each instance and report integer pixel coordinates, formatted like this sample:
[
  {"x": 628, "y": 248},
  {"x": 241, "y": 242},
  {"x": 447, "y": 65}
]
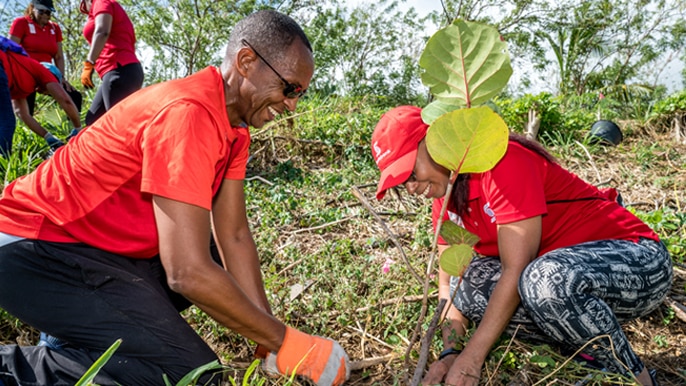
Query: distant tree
[
  {"x": 591, "y": 44},
  {"x": 179, "y": 37},
  {"x": 370, "y": 49}
]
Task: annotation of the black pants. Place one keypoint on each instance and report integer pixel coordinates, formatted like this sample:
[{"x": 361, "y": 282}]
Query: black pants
[
  {"x": 115, "y": 86},
  {"x": 89, "y": 298},
  {"x": 575, "y": 294}
]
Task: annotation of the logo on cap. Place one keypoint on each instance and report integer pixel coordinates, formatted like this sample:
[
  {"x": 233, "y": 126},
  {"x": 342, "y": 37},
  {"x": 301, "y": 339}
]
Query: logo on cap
[{"x": 377, "y": 152}]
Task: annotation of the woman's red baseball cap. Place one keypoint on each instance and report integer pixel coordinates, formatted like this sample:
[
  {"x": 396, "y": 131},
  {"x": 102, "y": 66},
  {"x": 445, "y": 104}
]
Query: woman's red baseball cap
[{"x": 394, "y": 145}]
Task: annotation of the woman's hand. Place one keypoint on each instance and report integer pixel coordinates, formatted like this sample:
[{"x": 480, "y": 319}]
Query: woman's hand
[
  {"x": 458, "y": 370},
  {"x": 438, "y": 370},
  {"x": 465, "y": 371}
]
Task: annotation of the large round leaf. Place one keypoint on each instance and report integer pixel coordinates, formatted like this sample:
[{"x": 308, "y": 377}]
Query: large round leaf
[
  {"x": 465, "y": 64},
  {"x": 455, "y": 259},
  {"x": 435, "y": 109},
  {"x": 468, "y": 140},
  {"x": 454, "y": 234}
]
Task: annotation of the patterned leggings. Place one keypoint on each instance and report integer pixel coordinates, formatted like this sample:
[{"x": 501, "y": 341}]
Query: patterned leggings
[{"x": 572, "y": 295}]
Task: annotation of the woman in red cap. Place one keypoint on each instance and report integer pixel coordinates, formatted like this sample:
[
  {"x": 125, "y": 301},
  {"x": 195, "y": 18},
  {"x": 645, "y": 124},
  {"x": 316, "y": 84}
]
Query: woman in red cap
[
  {"x": 112, "y": 54},
  {"x": 560, "y": 260}
]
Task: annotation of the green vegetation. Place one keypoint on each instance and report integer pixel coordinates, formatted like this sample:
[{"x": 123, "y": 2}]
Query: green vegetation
[
  {"x": 329, "y": 267},
  {"x": 313, "y": 234}
]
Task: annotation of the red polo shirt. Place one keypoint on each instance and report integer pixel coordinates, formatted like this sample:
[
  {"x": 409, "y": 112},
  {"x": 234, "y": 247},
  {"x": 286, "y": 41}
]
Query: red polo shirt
[
  {"x": 120, "y": 47},
  {"x": 172, "y": 139},
  {"x": 524, "y": 185},
  {"x": 25, "y": 75},
  {"x": 39, "y": 42}
]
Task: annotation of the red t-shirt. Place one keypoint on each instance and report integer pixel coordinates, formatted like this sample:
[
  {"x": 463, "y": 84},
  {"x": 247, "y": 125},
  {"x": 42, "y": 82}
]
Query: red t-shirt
[
  {"x": 172, "y": 139},
  {"x": 24, "y": 74},
  {"x": 524, "y": 185},
  {"x": 39, "y": 43},
  {"x": 120, "y": 47}
]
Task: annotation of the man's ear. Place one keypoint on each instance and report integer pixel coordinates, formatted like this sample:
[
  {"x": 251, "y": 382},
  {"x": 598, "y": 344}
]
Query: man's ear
[{"x": 245, "y": 58}]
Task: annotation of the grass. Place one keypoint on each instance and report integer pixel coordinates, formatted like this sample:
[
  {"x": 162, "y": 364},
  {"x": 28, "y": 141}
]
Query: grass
[{"x": 330, "y": 269}]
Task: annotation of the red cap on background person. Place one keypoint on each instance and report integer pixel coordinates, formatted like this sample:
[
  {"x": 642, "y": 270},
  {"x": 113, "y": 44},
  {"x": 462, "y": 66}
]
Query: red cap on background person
[
  {"x": 394, "y": 145},
  {"x": 45, "y": 5}
]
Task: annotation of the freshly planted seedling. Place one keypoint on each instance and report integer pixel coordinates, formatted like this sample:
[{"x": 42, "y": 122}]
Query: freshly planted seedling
[{"x": 465, "y": 65}]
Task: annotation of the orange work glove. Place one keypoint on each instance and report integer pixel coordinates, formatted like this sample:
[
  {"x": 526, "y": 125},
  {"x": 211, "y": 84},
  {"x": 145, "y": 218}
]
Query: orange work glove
[
  {"x": 320, "y": 359},
  {"x": 87, "y": 75}
]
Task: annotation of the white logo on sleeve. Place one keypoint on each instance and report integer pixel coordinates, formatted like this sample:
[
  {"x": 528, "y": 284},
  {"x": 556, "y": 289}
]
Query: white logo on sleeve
[{"x": 489, "y": 212}]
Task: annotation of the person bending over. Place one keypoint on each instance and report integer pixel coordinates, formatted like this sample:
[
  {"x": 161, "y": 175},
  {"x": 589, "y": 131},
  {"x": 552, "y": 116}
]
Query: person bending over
[
  {"x": 21, "y": 76},
  {"x": 42, "y": 40},
  {"x": 560, "y": 258},
  {"x": 111, "y": 237}
]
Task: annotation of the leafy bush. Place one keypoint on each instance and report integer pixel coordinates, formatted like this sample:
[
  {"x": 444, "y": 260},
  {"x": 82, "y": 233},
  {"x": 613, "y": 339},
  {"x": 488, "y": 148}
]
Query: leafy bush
[
  {"x": 671, "y": 226},
  {"x": 664, "y": 110}
]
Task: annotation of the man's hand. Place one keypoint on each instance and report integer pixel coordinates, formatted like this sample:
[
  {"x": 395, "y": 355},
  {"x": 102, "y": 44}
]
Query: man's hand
[
  {"x": 87, "y": 75},
  {"x": 320, "y": 359}
]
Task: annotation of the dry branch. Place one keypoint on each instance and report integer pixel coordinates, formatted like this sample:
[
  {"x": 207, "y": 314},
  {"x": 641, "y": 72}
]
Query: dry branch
[
  {"x": 678, "y": 308},
  {"x": 426, "y": 343},
  {"x": 357, "y": 193},
  {"x": 314, "y": 228},
  {"x": 369, "y": 362}
]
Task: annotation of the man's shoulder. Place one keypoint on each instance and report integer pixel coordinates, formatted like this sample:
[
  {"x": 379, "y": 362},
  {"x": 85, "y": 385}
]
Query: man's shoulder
[{"x": 202, "y": 87}]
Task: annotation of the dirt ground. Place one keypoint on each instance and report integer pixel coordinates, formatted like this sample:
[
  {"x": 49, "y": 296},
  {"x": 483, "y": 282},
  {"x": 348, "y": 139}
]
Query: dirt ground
[{"x": 649, "y": 170}]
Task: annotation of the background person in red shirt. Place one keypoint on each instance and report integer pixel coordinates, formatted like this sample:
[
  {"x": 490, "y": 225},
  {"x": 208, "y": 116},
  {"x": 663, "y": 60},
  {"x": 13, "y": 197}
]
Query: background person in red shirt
[
  {"x": 25, "y": 76},
  {"x": 42, "y": 40},
  {"x": 111, "y": 237},
  {"x": 565, "y": 262},
  {"x": 112, "y": 54}
]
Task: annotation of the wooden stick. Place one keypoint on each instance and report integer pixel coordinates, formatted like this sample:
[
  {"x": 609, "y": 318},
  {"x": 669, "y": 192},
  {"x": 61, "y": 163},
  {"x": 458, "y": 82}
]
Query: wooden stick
[
  {"x": 314, "y": 228},
  {"x": 357, "y": 193},
  {"x": 369, "y": 362},
  {"x": 426, "y": 344},
  {"x": 678, "y": 308}
]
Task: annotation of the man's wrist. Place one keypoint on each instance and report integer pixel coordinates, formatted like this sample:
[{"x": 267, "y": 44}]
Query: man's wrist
[{"x": 261, "y": 352}]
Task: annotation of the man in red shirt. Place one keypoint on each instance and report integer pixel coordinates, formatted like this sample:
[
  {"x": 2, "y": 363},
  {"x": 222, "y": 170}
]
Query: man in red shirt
[
  {"x": 25, "y": 76},
  {"x": 111, "y": 237}
]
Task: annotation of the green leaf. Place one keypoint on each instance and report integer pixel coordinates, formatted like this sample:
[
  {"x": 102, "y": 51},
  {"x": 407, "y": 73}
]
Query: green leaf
[
  {"x": 455, "y": 259},
  {"x": 88, "y": 377},
  {"x": 468, "y": 140},
  {"x": 455, "y": 234},
  {"x": 542, "y": 360},
  {"x": 192, "y": 377},
  {"x": 435, "y": 109},
  {"x": 465, "y": 64}
]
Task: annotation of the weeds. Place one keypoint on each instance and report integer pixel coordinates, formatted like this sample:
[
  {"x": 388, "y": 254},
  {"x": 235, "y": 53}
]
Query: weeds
[{"x": 312, "y": 232}]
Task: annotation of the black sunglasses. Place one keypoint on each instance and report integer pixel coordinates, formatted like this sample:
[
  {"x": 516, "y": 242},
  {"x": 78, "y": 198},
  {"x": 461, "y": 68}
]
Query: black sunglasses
[
  {"x": 44, "y": 12},
  {"x": 290, "y": 90}
]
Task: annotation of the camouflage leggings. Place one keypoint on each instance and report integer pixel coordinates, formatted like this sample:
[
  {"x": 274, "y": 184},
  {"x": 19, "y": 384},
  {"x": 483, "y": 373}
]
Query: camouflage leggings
[{"x": 572, "y": 295}]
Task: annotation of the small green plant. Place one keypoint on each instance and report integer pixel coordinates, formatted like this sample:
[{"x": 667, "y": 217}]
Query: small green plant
[
  {"x": 661, "y": 341},
  {"x": 191, "y": 379},
  {"x": 89, "y": 376}
]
